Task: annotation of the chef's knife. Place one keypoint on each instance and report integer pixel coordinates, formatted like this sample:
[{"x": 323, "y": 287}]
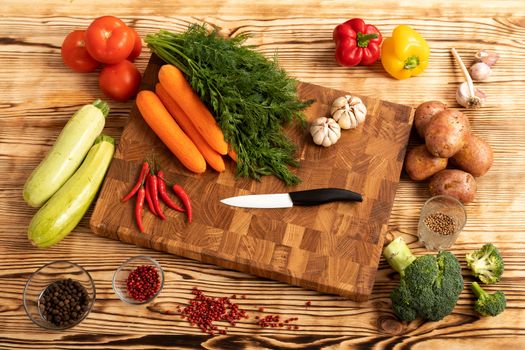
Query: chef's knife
[{"x": 287, "y": 200}]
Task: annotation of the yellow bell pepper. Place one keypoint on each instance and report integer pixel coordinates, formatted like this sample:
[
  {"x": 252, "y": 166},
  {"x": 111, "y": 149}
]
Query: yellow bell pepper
[{"x": 405, "y": 54}]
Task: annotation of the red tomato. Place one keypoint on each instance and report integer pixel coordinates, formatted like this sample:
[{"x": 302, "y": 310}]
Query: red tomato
[
  {"x": 120, "y": 81},
  {"x": 109, "y": 40},
  {"x": 75, "y": 55},
  {"x": 137, "y": 48}
]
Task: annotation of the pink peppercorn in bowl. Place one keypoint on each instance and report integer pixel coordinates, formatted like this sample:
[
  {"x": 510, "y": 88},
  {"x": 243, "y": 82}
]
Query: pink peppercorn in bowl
[{"x": 138, "y": 280}]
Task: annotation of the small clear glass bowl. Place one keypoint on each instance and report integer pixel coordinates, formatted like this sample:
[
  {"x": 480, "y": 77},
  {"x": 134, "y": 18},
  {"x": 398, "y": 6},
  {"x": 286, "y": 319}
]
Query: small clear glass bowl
[
  {"x": 449, "y": 207},
  {"x": 45, "y": 276},
  {"x": 121, "y": 276}
]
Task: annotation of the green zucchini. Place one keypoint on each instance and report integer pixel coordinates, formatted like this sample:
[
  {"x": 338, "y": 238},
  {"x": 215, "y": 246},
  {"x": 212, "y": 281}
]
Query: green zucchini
[
  {"x": 67, "y": 153},
  {"x": 63, "y": 211}
]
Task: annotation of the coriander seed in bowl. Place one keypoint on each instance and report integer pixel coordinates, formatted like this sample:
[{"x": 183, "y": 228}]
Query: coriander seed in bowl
[{"x": 442, "y": 219}]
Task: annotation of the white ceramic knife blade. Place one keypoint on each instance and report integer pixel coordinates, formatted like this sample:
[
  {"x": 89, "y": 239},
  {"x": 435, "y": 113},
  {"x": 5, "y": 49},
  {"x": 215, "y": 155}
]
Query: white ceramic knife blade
[
  {"x": 276, "y": 200},
  {"x": 288, "y": 200}
]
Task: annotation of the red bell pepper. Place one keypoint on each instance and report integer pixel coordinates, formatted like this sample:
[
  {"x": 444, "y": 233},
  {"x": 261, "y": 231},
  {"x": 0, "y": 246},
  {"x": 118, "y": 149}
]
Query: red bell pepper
[{"x": 357, "y": 43}]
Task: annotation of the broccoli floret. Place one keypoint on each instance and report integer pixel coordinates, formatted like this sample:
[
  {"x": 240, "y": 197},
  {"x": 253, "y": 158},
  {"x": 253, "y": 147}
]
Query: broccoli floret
[
  {"x": 430, "y": 284},
  {"x": 488, "y": 304},
  {"x": 486, "y": 263},
  {"x": 402, "y": 307}
]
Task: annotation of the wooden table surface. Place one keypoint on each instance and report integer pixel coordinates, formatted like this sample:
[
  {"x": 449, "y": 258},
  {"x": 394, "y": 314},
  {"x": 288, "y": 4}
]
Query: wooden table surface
[{"x": 39, "y": 94}]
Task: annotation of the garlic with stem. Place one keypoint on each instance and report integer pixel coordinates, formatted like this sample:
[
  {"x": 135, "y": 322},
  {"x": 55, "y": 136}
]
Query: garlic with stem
[
  {"x": 463, "y": 95},
  {"x": 471, "y": 100}
]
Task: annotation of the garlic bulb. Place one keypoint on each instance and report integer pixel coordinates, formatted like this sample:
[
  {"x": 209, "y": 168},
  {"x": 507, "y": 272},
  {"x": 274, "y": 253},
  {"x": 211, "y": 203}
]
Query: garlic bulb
[
  {"x": 467, "y": 94},
  {"x": 480, "y": 71},
  {"x": 325, "y": 131},
  {"x": 348, "y": 111},
  {"x": 464, "y": 97}
]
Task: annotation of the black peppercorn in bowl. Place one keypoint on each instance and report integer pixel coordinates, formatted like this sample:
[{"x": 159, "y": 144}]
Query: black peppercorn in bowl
[
  {"x": 59, "y": 295},
  {"x": 138, "y": 280}
]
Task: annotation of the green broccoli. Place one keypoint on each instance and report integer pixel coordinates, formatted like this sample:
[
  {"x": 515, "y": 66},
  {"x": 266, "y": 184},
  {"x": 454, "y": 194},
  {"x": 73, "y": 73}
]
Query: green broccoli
[
  {"x": 430, "y": 284},
  {"x": 486, "y": 263},
  {"x": 488, "y": 304}
]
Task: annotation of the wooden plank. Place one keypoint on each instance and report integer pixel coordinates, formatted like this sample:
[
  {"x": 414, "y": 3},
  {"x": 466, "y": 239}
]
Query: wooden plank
[{"x": 277, "y": 9}]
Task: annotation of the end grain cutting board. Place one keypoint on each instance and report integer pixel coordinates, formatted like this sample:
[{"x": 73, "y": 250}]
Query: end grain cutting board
[{"x": 333, "y": 248}]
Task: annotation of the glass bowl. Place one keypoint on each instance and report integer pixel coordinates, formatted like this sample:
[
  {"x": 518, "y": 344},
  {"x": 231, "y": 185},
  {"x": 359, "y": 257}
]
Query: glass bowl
[
  {"x": 441, "y": 221},
  {"x": 121, "y": 276},
  {"x": 44, "y": 277}
]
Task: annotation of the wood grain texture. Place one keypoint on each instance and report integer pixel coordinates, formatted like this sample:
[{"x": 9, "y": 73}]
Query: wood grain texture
[
  {"x": 333, "y": 248},
  {"x": 39, "y": 94}
]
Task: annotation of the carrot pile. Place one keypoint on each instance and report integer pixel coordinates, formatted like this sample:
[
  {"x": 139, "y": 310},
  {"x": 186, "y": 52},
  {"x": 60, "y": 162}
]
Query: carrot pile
[
  {"x": 181, "y": 120},
  {"x": 150, "y": 188}
]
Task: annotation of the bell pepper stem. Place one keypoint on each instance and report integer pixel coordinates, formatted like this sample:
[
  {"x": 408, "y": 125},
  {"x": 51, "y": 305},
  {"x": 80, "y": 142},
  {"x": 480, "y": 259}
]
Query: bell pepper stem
[
  {"x": 364, "y": 39},
  {"x": 411, "y": 62}
]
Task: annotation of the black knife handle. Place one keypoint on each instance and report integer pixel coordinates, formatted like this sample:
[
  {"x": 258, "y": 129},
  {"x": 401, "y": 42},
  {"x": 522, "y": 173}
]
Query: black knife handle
[{"x": 323, "y": 195}]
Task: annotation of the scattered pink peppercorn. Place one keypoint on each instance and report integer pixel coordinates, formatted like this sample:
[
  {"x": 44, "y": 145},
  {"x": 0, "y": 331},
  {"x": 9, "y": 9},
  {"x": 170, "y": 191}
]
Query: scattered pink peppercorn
[
  {"x": 202, "y": 311},
  {"x": 274, "y": 321}
]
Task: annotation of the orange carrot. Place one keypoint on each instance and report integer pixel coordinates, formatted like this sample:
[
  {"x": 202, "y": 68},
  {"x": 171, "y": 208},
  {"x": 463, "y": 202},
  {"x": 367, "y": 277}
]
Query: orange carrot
[
  {"x": 213, "y": 158},
  {"x": 180, "y": 90},
  {"x": 167, "y": 129},
  {"x": 232, "y": 154}
]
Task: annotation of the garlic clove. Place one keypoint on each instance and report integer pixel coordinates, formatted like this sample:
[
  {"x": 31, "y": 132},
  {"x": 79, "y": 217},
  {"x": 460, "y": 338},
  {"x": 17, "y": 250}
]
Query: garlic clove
[
  {"x": 336, "y": 129},
  {"x": 480, "y": 71},
  {"x": 354, "y": 101},
  {"x": 339, "y": 103},
  {"x": 340, "y": 117},
  {"x": 488, "y": 57},
  {"x": 344, "y": 122},
  {"x": 471, "y": 102},
  {"x": 360, "y": 113},
  {"x": 332, "y": 136},
  {"x": 353, "y": 121},
  {"x": 318, "y": 136}
]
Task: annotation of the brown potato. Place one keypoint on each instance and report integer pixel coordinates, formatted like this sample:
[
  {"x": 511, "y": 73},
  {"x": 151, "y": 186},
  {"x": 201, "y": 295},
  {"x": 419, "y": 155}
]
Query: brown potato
[
  {"x": 424, "y": 113},
  {"x": 446, "y": 133},
  {"x": 420, "y": 164},
  {"x": 455, "y": 183},
  {"x": 475, "y": 157}
]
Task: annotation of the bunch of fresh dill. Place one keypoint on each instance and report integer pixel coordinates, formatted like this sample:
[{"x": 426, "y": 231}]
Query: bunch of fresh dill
[{"x": 249, "y": 95}]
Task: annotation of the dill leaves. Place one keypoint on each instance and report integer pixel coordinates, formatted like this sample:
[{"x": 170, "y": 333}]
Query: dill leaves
[{"x": 251, "y": 97}]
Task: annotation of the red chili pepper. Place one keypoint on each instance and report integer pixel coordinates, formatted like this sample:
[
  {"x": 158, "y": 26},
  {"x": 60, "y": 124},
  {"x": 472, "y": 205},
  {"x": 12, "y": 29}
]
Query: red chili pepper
[
  {"x": 148, "y": 198},
  {"x": 164, "y": 194},
  {"x": 145, "y": 168},
  {"x": 357, "y": 43},
  {"x": 154, "y": 192},
  {"x": 139, "y": 207},
  {"x": 179, "y": 191}
]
